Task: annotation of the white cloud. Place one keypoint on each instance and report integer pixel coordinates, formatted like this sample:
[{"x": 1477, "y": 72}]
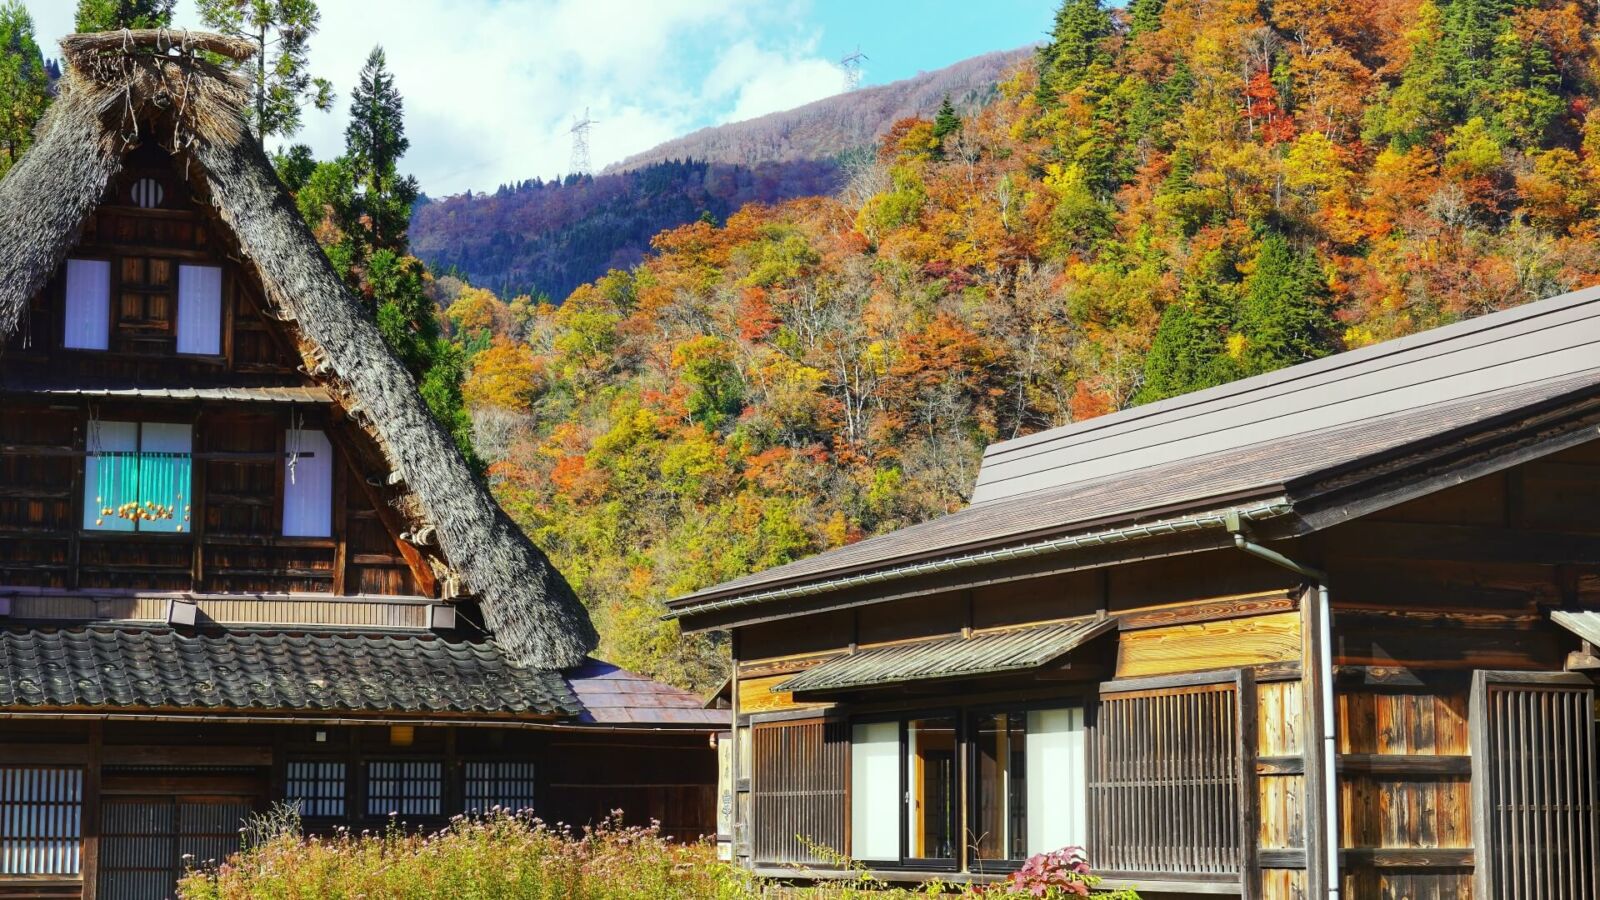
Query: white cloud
[{"x": 492, "y": 86}]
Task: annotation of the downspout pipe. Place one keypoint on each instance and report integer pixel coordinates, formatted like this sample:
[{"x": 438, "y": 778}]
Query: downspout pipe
[{"x": 1324, "y": 664}]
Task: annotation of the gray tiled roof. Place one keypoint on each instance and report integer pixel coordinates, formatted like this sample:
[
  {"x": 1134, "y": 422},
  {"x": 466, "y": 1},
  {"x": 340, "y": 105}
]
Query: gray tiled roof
[
  {"x": 142, "y": 669},
  {"x": 985, "y": 653}
]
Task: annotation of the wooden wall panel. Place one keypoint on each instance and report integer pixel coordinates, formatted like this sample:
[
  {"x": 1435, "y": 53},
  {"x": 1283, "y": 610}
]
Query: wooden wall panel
[
  {"x": 756, "y": 696},
  {"x": 1405, "y": 791},
  {"x": 1278, "y": 741},
  {"x": 1283, "y": 884},
  {"x": 1199, "y": 646}
]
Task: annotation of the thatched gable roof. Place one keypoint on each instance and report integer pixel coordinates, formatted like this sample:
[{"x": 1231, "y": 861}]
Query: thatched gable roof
[{"x": 127, "y": 87}]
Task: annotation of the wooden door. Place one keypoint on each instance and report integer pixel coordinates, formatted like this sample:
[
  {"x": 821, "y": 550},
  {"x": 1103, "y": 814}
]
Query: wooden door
[
  {"x": 1536, "y": 806},
  {"x": 156, "y": 824}
]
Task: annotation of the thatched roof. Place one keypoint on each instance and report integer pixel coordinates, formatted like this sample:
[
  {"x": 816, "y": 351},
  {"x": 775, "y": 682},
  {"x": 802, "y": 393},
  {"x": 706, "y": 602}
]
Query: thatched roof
[{"x": 125, "y": 88}]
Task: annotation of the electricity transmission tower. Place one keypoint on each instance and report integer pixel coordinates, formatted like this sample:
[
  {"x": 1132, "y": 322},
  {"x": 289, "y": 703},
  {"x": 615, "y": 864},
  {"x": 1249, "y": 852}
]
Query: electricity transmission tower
[
  {"x": 852, "y": 68},
  {"x": 580, "y": 144}
]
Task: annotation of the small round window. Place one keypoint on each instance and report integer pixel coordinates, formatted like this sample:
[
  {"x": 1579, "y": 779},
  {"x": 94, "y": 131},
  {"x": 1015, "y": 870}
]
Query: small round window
[{"x": 147, "y": 193}]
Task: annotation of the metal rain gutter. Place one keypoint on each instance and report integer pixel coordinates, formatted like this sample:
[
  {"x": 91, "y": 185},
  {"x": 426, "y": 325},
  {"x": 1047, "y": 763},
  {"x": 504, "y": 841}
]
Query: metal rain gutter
[{"x": 1218, "y": 519}]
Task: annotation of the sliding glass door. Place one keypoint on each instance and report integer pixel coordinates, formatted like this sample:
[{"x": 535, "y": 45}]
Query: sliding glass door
[{"x": 1021, "y": 772}]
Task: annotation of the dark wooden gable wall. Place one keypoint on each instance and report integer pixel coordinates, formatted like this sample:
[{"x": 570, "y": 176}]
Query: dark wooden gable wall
[{"x": 236, "y": 545}]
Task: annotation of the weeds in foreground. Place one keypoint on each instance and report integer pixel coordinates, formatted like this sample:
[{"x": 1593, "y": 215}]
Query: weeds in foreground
[{"x": 516, "y": 855}]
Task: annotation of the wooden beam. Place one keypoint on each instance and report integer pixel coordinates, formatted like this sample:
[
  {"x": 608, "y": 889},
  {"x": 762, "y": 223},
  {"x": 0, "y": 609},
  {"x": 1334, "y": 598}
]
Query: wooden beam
[
  {"x": 1404, "y": 765},
  {"x": 1411, "y": 858},
  {"x": 1462, "y": 543},
  {"x": 427, "y": 585},
  {"x": 1316, "y": 813},
  {"x": 1249, "y": 791},
  {"x": 90, "y": 823}
]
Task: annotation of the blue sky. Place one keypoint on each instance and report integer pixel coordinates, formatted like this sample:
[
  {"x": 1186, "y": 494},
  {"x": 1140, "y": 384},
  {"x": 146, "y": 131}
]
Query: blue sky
[{"x": 492, "y": 86}]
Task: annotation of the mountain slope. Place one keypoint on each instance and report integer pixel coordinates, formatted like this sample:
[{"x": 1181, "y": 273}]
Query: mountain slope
[
  {"x": 834, "y": 124},
  {"x": 549, "y": 237}
]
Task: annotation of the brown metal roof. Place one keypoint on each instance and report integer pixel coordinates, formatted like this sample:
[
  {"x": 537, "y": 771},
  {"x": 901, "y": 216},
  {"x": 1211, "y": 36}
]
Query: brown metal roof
[
  {"x": 1553, "y": 338},
  {"x": 1255, "y": 471},
  {"x": 984, "y": 653},
  {"x": 611, "y": 695}
]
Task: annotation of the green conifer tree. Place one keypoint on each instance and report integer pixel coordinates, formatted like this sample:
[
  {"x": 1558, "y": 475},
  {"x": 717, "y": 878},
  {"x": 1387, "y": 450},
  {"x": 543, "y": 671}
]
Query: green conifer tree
[
  {"x": 281, "y": 31},
  {"x": 24, "y": 85},
  {"x": 1077, "y": 42},
  {"x": 374, "y": 142},
  {"x": 948, "y": 121},
  {"x": 1284, "y": 316},
  {"x": 112, "y": 15},
  {"x": 1190, "y": 349}
]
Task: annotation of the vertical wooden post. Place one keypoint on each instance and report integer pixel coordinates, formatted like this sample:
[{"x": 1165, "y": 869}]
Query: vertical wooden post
[
  {"x": 341, "y": 554},
  {"x": 1315, "y": 806},
  {"x": 454, "y": 799},
  {"x": 76, "y": 504},
  {"x": 196, "y": 505},
  {"x": 1249, "y": 790},
  {"x": 90, "y": 825},
  {"x": 1478, "y": 746}
]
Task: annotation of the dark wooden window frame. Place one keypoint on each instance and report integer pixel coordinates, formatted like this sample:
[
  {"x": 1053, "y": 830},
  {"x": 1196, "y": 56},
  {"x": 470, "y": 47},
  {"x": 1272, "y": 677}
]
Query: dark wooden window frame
[
  {"x": 1246, "y": 806},
  {"x": 113, "y": 258},
  {"x": 1500, "y": 870}
]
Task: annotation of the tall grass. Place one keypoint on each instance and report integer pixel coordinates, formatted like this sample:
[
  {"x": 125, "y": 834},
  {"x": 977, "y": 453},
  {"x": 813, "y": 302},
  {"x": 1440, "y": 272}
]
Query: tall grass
[{"x": 505, "y": 855}]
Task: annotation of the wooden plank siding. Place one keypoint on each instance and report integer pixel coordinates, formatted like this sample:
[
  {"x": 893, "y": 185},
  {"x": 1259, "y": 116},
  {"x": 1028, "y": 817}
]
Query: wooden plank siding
[
  {"x": 1196, "y": 646},
  {"x": 801, "y": 771},
  {"x": 1280, "y": 788},
  {"x": 1404, "y": 791}
]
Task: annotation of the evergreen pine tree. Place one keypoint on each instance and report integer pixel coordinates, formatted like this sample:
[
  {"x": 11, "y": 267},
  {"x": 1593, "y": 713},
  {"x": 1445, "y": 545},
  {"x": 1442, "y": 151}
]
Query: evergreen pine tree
[
  {"x": 112, "y": 15},
  {"x": 24, "y": 84},
  {"x": 1283, "y": 316},
  {"x": 1144, "y": 15},
  {"x": 281, "y": 82},
  {"x": 374, "y": 142},
  {"x": 947, "y": 121},
  {"x": 1468, "y": 31},
  {"x": 1190, "y": 349},
  {"x": 1076, "y": 43}
]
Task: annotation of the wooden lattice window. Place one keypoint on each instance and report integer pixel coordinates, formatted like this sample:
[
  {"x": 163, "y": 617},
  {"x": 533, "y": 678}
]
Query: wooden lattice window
[
  {"x": 318, "y": 786},
  {"x": 797, "y": 789},
  {"x": 41, "y": 820},
  {"x": 1164, "y": 792},
  {"x": 405, "y": 788},
  {"x": 508, "y": 785},
  {"x": 1536, "y": 810}
]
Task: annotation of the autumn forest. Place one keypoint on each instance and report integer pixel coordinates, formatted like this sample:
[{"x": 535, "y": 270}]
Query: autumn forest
[{"x": 1167, "y": 196}]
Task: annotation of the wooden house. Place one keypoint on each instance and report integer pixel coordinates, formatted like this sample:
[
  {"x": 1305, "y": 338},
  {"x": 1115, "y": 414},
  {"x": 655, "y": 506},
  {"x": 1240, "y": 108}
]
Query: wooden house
[
  {"x": 1327, "y": 631},
  {"x": 240, "y": 562}
]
